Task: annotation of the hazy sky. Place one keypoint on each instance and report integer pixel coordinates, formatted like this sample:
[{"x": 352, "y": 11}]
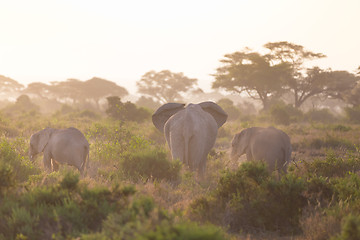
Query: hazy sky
[{"x": 48, "y": 40}]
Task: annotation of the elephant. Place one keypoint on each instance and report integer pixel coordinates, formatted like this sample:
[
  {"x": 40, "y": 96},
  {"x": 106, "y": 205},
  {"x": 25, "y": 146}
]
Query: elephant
[
  {"x": 270, "y": 145},
  {"x": 60, "y": 146},
  {"x": 190, "y": 131}
]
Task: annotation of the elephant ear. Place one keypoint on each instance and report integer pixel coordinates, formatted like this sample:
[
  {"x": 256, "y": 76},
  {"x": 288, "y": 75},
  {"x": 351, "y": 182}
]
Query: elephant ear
[
  {"x": 43, "y": 138},
  {"x": 216, "y": 111},
  {"x": 164, "y": 112}
]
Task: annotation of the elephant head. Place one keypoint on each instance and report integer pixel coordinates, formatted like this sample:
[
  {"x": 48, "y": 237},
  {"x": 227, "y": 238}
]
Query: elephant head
[
  {"x": 240, "y": 143},
  {"x": 38, "y": 142},
  {"x": 167, "y": 110}
]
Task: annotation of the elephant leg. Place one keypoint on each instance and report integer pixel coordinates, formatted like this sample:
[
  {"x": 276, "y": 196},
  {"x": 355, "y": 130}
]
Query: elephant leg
[
  {"x": 197, "y": 157},
  {"x": 177, "y": 147},
  {"x": 55, "y": 165},
  {"x": 47, "y": 162}
]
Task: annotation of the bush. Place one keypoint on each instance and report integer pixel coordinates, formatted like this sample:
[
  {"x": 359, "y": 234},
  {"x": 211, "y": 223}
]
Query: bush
[
  {"x": 332, "y": 166},
  {"x": 63, "y": 210},
  {"x": 11, "y": 160},
  {"x": 285, "y": 114},
  {"x": 126, "y": 111},
  {"x": 322, "y": 115},
  {"x": 228, "y": 106},
  {"x": 353, "y": 114},
  {"x": 7, "y": 178},
  {"x": 150, "y": 163},
  {"x": 350, "y": 229},
  {"x": 250, "y": 199}
]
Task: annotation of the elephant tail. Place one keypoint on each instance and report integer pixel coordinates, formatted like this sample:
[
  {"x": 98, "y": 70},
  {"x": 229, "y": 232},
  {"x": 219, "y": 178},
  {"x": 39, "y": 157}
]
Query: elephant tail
[
  {"x": 186, "y": 151},
  {"x": 288, "y": 152}
]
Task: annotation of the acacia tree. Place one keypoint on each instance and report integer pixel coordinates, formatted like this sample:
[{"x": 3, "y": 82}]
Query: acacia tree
[
  {"x": 353, "y": 97},
  {"x": 281, "y": 70},
  {"x": 165, "y": 86},
  {"x": 9, "y": 87},
  {"x": 257, "y": 75},
  {"x": 308, "y": 82},
  {"x": 77, "y": 91}
]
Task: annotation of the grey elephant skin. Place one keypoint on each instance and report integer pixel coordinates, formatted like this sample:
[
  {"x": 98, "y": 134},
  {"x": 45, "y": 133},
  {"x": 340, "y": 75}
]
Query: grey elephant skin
[
  {"x": 190, "y": 131},
  {"x": 64, "y": 146},
  {"x": 263, "y": 144}
]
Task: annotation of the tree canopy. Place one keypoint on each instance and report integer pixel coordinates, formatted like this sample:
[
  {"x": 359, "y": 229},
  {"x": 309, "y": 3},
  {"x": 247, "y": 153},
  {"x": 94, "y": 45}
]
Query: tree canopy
[
  {"x": 165, "y": 86},
  {"x": 253, "y": 73},
  {"x": 9, "y": 86},
  {"x": 279, "y": 71},
  {"x": 77, "y": 91}
]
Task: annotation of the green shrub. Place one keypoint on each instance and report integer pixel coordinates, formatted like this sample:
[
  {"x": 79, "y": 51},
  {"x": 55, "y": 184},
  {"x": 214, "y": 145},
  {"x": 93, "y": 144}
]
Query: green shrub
[
  {"x": 7, "y": 178},
  {"x": 285, "y": 114},
  {"x": 353, "y": 114},
  {"x": 332, "y": 165},
  {"x": 347, "y": 188},
  {"x": 64, "y": 210},
  {"x": 321, "y": 115},
  {"x": 150, "y": 163},
  {"x": 330, "y": 142},
  {"x": 350, "y": 229},
  {"x": 251, "y": 199},
  {"x": 341, "y": 128},
  {"x": 228, "y": 106},
  {"x": 21, "y": 168}
]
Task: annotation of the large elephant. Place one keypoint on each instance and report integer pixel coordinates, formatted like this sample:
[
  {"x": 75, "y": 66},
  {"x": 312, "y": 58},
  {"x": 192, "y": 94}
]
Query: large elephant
[
  {"x": 60, "y": 146},
  {"x": 190, "y": 131},
  {"x": 270, "y": 145}
]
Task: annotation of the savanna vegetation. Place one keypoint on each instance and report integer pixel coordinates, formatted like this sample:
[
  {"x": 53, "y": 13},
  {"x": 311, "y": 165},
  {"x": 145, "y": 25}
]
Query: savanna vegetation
[{"x": 132, "y": 188}]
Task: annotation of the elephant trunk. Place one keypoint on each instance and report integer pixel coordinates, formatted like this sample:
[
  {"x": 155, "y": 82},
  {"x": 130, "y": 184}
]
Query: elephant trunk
[
  {"x": 32, "y": 156},
  {"x": 233, "y": 155}
]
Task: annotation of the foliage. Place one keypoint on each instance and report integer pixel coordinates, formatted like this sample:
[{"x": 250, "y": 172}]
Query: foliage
[
  {"x": 125, "y": 111},
  {"x": 251, "y": 200},
  {"x": 23, "y": 105},
  {"x": 332, "y": 165},
  {"x": 285, "y": 114},
  {"x": 252, "y": 73},
  {"x": 353, "y": 114},
  {"x": 280, "y": 71},
  {"x": 78, "y": 92},
  {"x": 350, "y": 229},
  {"x": 165, "y": 86},
  {"x": 330, "y": 141},
  {"x": 228, "y": 106},
  {"x": 151, "y": 163},
  {"x": 322, "y": 115},
  {"x": 147, "y": 102},
  {"x": 12, "y": 163}
]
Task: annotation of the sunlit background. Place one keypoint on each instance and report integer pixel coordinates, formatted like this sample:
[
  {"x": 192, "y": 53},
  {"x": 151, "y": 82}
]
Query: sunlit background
[{"x": 46, "y": 41}]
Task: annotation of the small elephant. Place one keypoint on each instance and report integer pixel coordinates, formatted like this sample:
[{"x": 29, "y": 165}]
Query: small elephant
[
  {"x": 270, "y": 145},
  {"x": 190, "y": 131},
  {"x": 60, "y": 146}
]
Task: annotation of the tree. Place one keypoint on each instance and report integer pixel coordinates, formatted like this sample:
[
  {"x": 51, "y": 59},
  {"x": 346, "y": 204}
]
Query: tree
[
  {"x": 257, "y": 75},
  {"x": 281, "y": 70},
  {"x": 353, "y": 97},
  {"x": 77, "y": 91},
  {"x": 165, "y": 86},
  {"x": 98, "y": 88},
  {"x": 37, "y": 88},
  {"x": 125, "y": 111},
  {"x": 9, "y": 87},
  {"x": 228, "y": 106},
  {"x": 308, "y": 82}
]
